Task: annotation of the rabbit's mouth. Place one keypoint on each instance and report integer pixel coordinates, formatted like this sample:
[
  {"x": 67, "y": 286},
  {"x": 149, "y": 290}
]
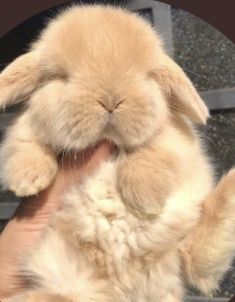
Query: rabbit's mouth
[{"x": 111, "y": 133}]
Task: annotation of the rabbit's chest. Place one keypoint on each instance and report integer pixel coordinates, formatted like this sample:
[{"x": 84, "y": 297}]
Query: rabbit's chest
[
  {"x": 107, "y": 233},
  {"x": 100, "y": 220},
  {"x": 101, "y": 245}
]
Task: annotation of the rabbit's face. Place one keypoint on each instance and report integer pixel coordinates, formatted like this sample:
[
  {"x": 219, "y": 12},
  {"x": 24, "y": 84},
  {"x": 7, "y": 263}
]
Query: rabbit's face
[
  {"x": 99, "y": 72},
  {"x": 103, "y": 75},
  {"x": 124, "y": 107}
]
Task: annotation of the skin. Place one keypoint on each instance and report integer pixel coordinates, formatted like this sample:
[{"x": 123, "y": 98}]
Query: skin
[{"x": 34, "y": 214}]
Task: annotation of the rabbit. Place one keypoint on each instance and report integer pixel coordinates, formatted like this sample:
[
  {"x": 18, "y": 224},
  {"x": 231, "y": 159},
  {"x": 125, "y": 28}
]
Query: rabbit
[{"x": 149, "y": 220}]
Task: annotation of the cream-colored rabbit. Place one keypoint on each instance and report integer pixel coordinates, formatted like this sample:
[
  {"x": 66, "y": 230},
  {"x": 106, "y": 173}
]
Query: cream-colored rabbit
[{"x": 148, "y": 220}]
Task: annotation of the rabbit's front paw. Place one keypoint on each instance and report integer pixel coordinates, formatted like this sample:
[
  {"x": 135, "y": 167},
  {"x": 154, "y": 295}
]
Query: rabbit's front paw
[
  {"x": 146, "y": 178},
  {"x": 141, "y": 192},
  {"x": 28, "y": 176}
]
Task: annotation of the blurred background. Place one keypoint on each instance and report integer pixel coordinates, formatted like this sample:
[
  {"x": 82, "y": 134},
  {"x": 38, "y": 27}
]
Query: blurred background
[{"x": 205, "y": 54}]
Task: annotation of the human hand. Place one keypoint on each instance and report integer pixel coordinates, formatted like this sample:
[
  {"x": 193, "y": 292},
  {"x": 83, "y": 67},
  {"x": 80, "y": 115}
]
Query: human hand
[{"x": 34, "y": 213}]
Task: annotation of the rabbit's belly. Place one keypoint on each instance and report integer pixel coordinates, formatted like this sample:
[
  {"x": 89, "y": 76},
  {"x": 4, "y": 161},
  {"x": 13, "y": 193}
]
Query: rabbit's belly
[
  {"x": 98, "y": 217},
  {"x": 96, "y": 250},
  {"x": 112, "y": 241}
]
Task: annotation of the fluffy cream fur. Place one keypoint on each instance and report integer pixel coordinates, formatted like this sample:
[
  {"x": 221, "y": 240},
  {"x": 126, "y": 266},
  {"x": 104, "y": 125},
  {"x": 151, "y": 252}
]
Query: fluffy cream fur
[{"x": 147, "y": 221}]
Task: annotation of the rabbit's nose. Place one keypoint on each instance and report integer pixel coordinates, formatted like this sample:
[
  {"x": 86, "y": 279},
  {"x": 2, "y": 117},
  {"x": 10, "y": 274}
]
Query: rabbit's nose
[{"x": 110, "y": 107}]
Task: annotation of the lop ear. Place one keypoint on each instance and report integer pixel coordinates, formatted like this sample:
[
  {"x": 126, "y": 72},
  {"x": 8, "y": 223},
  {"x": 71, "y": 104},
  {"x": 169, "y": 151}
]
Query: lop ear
[
  {"x": 19, "y": 79},
  {"x": 180, "y": 92}
]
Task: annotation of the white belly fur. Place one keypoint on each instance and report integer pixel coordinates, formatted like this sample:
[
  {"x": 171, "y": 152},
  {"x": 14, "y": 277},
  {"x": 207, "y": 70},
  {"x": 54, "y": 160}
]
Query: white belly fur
[{"x": 140, "y": 256}]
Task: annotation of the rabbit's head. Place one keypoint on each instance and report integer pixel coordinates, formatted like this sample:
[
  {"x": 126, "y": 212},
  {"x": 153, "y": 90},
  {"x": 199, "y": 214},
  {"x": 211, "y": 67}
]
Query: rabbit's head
[{"x": 99, "y": 72}]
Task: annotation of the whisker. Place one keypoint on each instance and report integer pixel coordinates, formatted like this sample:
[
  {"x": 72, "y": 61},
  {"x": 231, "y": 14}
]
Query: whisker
[
  {"x": 62, "y": 158},
  {"x": 69, "y": 154},
  {"x": 75, "y": 161},
  {"x": 62, "y": 162},
  {"x": 83, "y": 158}
]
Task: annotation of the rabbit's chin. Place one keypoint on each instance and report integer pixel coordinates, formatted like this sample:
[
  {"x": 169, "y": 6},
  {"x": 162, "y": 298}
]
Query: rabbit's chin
[
  {"x": 123, "y": 138},
  {"x": 111, "y": 134}
]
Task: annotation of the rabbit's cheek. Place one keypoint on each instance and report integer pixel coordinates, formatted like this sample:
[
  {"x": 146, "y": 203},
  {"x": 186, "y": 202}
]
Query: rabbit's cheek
[
  {"x": 85, "y": 133},
  {"x": 66, "y": 130},
  {"x": 133, "y": 129}
]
